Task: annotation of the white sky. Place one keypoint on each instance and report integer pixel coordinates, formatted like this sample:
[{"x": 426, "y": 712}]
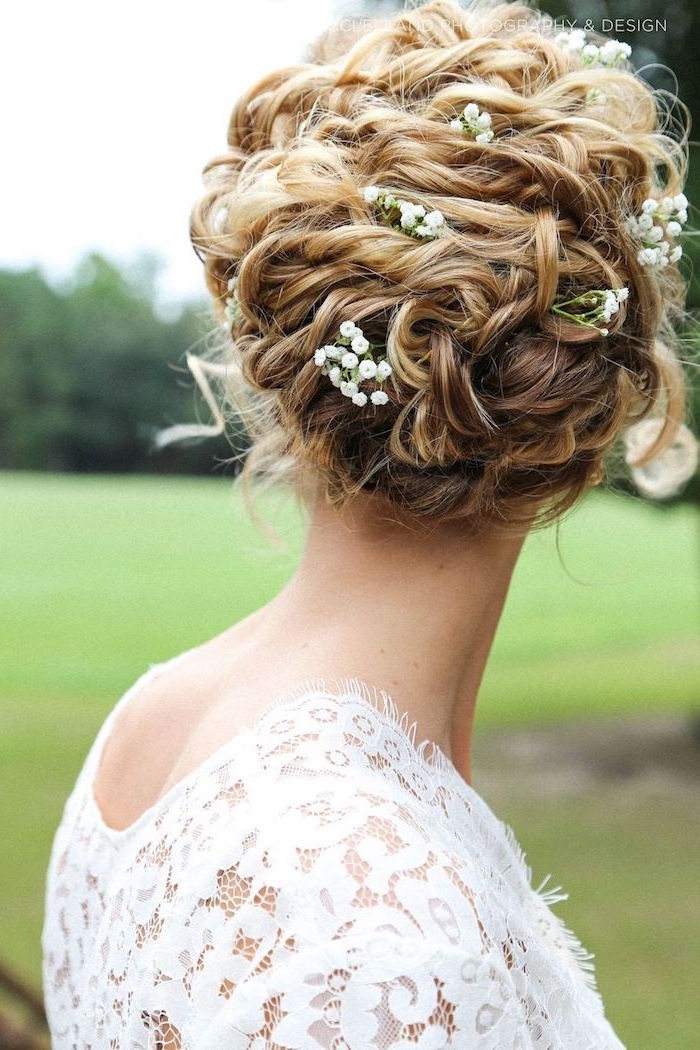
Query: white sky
[{"x": 110, "y": 111}]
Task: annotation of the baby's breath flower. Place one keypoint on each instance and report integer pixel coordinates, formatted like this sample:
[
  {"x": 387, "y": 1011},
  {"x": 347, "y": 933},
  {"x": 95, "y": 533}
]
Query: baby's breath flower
[
  {"x": 435, "y": 218},
  {"x": 571, "y": 39},
  {"x": 596, "y": 97},
  {"x": 657, "y": 220},
  {"x": 591, "y": 308},
  {"x": 431, "y": 225},
  {"x": 651, "y": 257},
  {"x": 406, "y": 216},
  {"x": 357, "y": 366},
  {"x": 612, "y": 53},
  {"x": 473, "y": 123}
]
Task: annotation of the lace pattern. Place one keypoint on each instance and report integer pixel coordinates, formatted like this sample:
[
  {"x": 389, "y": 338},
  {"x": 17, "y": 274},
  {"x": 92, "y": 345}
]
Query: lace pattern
[{"x": 320, "y": 882}]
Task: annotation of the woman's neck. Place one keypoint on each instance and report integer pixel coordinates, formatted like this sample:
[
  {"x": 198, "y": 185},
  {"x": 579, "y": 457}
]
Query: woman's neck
[{"x": 413, "y": 612}]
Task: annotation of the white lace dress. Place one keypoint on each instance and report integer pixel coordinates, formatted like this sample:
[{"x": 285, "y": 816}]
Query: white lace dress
[{"x": 320, "y": 881}]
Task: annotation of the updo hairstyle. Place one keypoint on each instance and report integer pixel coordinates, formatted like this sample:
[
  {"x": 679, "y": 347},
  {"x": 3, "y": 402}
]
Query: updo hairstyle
[{"x": 498, "y": 408}]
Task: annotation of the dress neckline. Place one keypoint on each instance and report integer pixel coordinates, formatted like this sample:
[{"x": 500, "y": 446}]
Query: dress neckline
[
  {"x": 429, "y": 757},
  {"x": 499, "y": 843}
]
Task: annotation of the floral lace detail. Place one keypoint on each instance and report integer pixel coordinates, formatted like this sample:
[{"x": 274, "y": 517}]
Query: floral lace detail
[{"x": 319, "y": 882}]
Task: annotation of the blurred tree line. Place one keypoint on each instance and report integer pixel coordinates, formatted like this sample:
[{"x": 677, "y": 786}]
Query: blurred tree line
[{"x": 88, "y": 372}]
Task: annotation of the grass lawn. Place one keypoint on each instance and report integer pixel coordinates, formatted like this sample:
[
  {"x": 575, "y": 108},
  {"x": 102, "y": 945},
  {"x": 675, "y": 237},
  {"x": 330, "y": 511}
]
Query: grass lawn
[
  {"x": 629, "y": 860},
  {"x": 102, "y": 576}
]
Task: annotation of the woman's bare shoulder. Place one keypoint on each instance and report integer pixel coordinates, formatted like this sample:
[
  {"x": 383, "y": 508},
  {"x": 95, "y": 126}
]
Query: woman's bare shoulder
[{"x": 158, "y": 726}]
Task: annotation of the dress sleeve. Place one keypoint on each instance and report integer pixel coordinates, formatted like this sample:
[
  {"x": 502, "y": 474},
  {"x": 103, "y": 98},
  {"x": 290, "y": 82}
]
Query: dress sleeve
[{"x": 382, "y": 992}]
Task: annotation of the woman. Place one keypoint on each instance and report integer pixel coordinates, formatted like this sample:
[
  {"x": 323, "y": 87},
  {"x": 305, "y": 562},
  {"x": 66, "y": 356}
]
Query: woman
[{"x": 445, "y": 255}]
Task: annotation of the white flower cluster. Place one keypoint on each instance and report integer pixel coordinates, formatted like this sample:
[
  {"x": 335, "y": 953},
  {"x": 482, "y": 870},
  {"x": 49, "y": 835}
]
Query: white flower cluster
[
  {"x": 611, "y": 53},
  {"x": 592, "y": 308},
  {"x": 657, "y": 220},
  {"x": 350, "y": 361},
  {"x": 474, "y": 123},
  {"x": 664, "y": 475},
  {"x": 402, "y": 215},
  {"x": 613, "y": 298},
  {"x": 232, "y": 309}
]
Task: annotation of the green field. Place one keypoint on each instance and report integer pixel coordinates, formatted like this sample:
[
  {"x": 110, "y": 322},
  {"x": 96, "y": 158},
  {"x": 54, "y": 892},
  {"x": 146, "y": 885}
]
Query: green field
[{"x": 102, "y": 576}]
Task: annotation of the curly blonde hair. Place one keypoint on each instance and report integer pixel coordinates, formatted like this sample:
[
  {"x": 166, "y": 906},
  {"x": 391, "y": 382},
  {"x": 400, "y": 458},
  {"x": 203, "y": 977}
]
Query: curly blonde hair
[{"x": 499, "y": 409}]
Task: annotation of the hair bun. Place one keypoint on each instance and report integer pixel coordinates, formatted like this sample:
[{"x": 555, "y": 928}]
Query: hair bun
[{"x": 502, "y": 401}]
